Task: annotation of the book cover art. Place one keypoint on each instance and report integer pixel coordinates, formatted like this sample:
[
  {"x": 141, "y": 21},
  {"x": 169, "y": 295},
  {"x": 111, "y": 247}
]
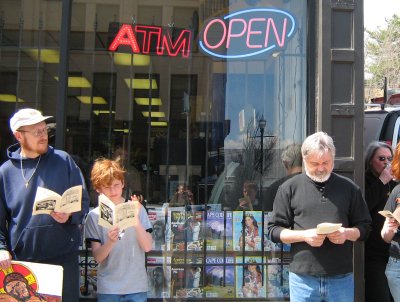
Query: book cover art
[
  {"x": 158, "y": 276},
  {"x": 157, "y": 219},
  {"x": 219, "y": 231},
  {"x": 28, "y": 281},
  {"x": 247, "y": 230},
  {"x": 219, "y": 277},
  {"x": 278, "y": 281},
  {"x": 250, "y": 277}
]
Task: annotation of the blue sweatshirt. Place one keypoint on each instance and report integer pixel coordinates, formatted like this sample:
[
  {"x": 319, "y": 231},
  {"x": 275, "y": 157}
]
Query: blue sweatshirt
[{"x": 38, "y": 238}]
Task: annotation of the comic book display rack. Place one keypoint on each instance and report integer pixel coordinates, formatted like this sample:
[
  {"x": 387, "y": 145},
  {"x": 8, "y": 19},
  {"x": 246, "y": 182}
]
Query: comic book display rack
[{"x": 208, "y": 255}]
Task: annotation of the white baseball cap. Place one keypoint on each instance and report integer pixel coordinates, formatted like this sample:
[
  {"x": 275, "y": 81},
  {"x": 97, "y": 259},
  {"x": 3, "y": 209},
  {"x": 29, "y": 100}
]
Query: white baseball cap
[{"x": 26, "y": 117}]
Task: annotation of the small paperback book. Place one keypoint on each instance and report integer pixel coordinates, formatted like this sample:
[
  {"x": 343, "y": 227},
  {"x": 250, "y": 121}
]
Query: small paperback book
[
  {"x": 327, "y": 228},
  {"x": 388, "y": 214},
  {"x": 121, "y": 215},
  {"x": 47, "y": 201}
]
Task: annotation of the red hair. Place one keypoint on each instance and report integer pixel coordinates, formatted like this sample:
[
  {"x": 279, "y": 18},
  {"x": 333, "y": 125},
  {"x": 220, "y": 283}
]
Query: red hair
[
  {"x": 396, "y": 162},
  {"x": 105, "y": 171}
]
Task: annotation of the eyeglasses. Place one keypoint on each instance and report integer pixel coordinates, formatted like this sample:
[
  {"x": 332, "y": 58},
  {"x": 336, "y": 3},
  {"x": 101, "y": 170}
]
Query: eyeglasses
[
  {"x": 37, "y": 132},
  {"x": 382, "y": 158}
]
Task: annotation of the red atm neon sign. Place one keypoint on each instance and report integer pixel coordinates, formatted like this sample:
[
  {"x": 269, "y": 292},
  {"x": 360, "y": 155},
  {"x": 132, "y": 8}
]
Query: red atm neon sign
[
  {"x": 146, "y": 39},
  {"x": 247, "y": 33}
]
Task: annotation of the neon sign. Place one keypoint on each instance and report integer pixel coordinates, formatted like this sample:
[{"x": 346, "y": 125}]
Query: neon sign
[
  {"x": 247, "y": 33},
  {"x": 149, "y": 39}
]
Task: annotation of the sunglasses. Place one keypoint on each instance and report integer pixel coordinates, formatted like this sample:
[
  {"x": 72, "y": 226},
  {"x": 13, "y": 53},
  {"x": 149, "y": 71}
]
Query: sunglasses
[{"x": 382, "y": 158}]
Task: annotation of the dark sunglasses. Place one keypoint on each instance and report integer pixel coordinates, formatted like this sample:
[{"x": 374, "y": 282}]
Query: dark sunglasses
[{"x": 382, "y": 158}]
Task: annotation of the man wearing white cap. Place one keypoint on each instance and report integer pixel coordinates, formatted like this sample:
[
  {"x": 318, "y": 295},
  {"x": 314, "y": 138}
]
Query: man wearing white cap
[{"x": 51, "y": 239}]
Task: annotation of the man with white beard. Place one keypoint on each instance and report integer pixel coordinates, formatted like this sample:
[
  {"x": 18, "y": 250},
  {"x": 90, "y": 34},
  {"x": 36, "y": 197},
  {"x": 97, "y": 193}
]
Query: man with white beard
[{"x": 321, "y": 268}]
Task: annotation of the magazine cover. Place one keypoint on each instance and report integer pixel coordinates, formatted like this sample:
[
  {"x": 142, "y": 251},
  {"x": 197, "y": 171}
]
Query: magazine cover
[
  {"x": 247, "y": 230},
  {"x": 194, "y": 226},
  {"x": 219, "y": 233},
  {"x": 158, "y": 276},
  {"x": 219, "y": 277},
  {"x": 187, "y": 277},
  {"x": 157, "y": 218},
  {"x": 278, "y": 281},
  {"x": 250, "y": 278},
  {"x": 88, "y": 277},
  {"x": 175, "y": 237},
  {"x": 28, "y": 281}
]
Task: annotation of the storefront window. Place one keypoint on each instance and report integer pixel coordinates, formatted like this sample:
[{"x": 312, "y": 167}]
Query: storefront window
[{"x": 203, "y": 94}]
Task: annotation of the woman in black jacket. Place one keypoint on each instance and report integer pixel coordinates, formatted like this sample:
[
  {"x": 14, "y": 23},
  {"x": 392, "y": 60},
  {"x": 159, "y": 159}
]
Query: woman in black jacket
[{"x": 378, "y": 185}]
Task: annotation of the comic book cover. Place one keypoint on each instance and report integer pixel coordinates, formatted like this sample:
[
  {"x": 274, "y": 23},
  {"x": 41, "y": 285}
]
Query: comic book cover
[
  {"x": 187, "y": 277},
  {"x": 250, "y": 277},
  {"x": 88, "y": 276},
  {"x": 219, "y": 277},
  {"x": 158, "y": 276},
  {"x": 28, "y": 281},
  {"x": 157, "y": 218},
  {"x": 247, "y": 230},
  {"x": 278, "y": 281},
  {"x": 219, "y": 230},
  {"x": 274, "y": 250}
]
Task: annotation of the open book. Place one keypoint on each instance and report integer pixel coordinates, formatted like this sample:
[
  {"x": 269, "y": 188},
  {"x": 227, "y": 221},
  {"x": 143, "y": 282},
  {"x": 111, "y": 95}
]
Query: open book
[
  {"x": 47, "y": 201},
  {"x": 327, "y": 228},
  {"x": 110, "y": 214},
  {"x": 388, "y": 214}
]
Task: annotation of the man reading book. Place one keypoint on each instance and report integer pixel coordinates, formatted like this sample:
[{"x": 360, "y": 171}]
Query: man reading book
[
  {"x": 120, "y": 253},
  {"x": 320, "y": 259},
  {"x": 51, "y": 239}
]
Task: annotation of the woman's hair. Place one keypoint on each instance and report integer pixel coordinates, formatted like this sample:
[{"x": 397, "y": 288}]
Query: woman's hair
[
  {"x": 252, "y": 218},
  {"x": 319, "y": 142},
  {"x": 371, "y": 150},
  {"x": 396, "y": 162},
  {"x": 105, "y": 171}
]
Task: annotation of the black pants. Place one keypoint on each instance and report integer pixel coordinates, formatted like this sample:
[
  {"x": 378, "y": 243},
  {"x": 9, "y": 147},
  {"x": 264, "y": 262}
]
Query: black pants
[
  {"x": 70, "y": 291},
  {"x": 376, "y": 285}
]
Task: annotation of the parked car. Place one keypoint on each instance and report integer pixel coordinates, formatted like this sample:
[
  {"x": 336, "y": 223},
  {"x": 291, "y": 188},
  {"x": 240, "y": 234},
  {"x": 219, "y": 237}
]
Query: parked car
[{"x": 382, "y": 123}]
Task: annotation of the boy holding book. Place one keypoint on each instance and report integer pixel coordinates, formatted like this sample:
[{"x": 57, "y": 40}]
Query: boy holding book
[{"x": 119, "y": 253}]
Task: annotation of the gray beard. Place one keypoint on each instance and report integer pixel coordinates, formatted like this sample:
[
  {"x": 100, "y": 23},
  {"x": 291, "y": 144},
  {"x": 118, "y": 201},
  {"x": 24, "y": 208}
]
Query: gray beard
[{"x": 318, "y": 178}]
